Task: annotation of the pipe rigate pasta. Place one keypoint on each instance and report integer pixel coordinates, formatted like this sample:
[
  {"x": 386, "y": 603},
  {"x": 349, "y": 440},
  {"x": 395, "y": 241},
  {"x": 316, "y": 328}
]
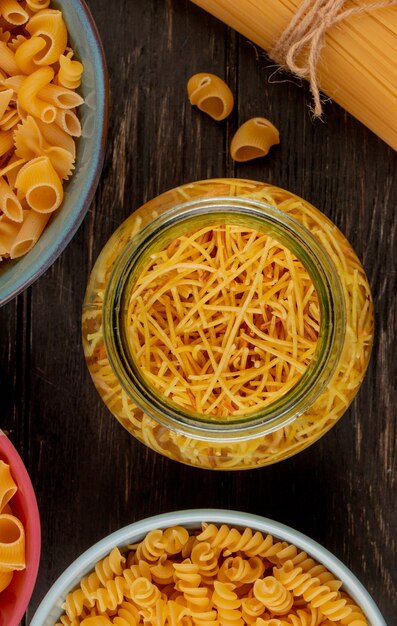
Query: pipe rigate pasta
[
  {"x": 211, "y": 95},
  {"x": 188, "y": 599},
  {"x": 50, "y": 25},
  {"x": 40, "y": 184},
  {"x": 253, "y": 139}
]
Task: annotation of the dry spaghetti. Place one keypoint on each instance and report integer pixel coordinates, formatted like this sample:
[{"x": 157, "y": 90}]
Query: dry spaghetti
[{"x": 224, "y": 321}]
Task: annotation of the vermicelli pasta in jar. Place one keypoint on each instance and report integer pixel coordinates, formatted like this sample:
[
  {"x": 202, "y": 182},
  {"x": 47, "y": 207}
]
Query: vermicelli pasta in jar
[{"x": 227, "y": 324}]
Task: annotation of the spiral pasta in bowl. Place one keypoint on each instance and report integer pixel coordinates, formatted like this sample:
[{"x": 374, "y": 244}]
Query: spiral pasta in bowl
[
  {"x": 199, "y": 567},
  {"x": 20, "y": 537},
  {"x": 53, "y": 109}
]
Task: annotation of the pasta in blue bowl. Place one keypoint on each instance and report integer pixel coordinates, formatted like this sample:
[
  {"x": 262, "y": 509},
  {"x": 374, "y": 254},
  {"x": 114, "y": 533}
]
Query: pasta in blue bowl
[
  {"x": 207, "y": 566},
  {"x": 53, "y": 115}
]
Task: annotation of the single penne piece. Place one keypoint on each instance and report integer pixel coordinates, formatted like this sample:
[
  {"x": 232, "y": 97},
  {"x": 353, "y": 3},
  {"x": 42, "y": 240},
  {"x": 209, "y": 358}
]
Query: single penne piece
[
  {"x": 5, "y": 98},
  {"x": 7, "y": 60},
  {"x": 6, "y": 141},
  {"x": 60, "y": 97},
  {"x": 5, "y": 579},
  {"x": 7, "y": 485},
  {"x": 30, "y": 232},
  {"x": 37, "y": 5},
  {"x": 50, "y": 24},
  {"x": 27, "y": 95},
  {"x": 13, "y": 12},
  {"x": 26, "y": 52},
  {"x": 12, "y": 543},
  {"x": 253, "y": 139},
  {"x": 10, "y": 205},
  {"x": 211, "y": 95},
  {"x": 70, "y": 72},
  {"x": 69, "y": 122},
  {"x": 41, "y": 186}
]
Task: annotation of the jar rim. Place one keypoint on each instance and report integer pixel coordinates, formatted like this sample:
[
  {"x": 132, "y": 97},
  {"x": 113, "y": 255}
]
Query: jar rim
[{"x": 287, "y": 230}]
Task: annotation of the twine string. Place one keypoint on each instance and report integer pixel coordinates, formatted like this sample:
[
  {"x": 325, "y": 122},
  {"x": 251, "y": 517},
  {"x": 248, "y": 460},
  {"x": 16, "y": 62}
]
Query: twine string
[{"x": 299, "y": 47}]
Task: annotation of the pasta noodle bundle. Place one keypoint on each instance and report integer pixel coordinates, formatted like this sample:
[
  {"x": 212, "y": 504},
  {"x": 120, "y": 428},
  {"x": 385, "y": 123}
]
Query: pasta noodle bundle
[
  {"x": 38, "y": 120},
  {"x": 183, "y": 598},
  {"x": 12, "y": 533}
]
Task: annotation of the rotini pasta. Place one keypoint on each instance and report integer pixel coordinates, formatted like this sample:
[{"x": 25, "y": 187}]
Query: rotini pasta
[
  {"x": 38, "y": 120},
  {"x": 12, "y": 532},
  {"x": 178, "y": 595}
]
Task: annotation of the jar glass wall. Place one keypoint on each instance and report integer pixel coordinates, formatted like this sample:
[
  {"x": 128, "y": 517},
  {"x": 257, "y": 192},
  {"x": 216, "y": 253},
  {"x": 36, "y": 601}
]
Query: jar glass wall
[{"x": 294, "y": 420}]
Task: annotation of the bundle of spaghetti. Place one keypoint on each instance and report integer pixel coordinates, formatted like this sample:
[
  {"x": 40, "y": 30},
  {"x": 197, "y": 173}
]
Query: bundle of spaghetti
[
  {"x": 277, "y": 595},
  {"x": 357, "y": 65},
  {"x": 224, "y": 321}
]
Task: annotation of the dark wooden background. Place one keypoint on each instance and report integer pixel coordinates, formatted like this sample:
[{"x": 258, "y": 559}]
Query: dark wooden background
[{"x": 91, "y": 477}]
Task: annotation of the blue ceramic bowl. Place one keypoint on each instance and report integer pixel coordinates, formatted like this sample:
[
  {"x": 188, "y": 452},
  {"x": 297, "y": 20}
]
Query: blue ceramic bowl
[
  {"x": 51, "y": 607},
  {"x": 16, "y": 275}
]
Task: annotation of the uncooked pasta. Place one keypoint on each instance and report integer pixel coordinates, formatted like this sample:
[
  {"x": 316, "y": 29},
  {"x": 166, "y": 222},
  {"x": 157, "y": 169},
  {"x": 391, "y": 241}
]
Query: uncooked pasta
[
  {"x": 12, "y": 532},
  {"x": 210, "y": 94},
  {"x": 225, "y": 450},
  {"x": 216, "y": 575},
  {"x": 253, "y": 139},
  {"x": 224, "y": 321},
  {"x": 38, "y": 121}
]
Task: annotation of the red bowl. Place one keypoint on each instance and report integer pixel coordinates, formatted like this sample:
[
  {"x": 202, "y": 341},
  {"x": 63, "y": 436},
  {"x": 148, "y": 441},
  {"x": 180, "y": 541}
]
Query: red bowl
[{"x": 15, "y": 598}]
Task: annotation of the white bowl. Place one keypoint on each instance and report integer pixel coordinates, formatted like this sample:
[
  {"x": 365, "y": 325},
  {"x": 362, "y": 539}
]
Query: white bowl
[{"x": 50, "y": 608}]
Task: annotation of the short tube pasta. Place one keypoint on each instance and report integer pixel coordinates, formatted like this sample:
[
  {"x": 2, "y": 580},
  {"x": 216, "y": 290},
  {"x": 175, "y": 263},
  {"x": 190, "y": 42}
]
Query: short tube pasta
[
  {"x": 60, "y": 97},
  {"x": 69, "y": 122},
  {"x": 37, "y": 5},
  {"x": 40, "y": 184},
  {"x": 13, "y": 12},
  {"x": 30, "y": 232},
  {"x": 211, "y": 95},
  {"x": 28, "y": 98},
  {"x": 9, "y": 202},
  {"x": 12, "y": 532},
  {"x": 253, "y": 139}
]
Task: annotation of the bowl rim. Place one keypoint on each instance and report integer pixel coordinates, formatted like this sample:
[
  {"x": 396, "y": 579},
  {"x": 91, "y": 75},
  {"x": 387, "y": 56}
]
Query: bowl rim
[
  {"x": 32, "y": 531},
  {"x": 60, "y": 242},
  {"x": 192, "y": 518}
]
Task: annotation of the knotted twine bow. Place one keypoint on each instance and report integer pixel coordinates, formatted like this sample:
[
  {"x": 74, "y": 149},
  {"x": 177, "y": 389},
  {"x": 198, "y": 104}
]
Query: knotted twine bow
[{"x": 304, "y": 38}]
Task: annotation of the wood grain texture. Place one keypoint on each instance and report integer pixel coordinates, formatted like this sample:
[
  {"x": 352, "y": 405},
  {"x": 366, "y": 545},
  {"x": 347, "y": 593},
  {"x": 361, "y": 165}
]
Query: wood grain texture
[{"x": 91, "y": 477}]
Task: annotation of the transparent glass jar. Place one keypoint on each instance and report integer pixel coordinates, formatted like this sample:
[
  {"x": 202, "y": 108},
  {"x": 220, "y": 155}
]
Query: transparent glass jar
[{"x": 293, "y": 421}]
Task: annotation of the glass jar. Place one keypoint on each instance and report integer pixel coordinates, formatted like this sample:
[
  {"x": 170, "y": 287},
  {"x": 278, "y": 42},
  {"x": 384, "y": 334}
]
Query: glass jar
[{"x": 307, "y": 410}]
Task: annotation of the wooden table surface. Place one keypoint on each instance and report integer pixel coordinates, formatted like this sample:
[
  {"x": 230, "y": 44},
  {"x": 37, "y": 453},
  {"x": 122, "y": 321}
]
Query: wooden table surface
[{"x": 91, "y": 477}]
